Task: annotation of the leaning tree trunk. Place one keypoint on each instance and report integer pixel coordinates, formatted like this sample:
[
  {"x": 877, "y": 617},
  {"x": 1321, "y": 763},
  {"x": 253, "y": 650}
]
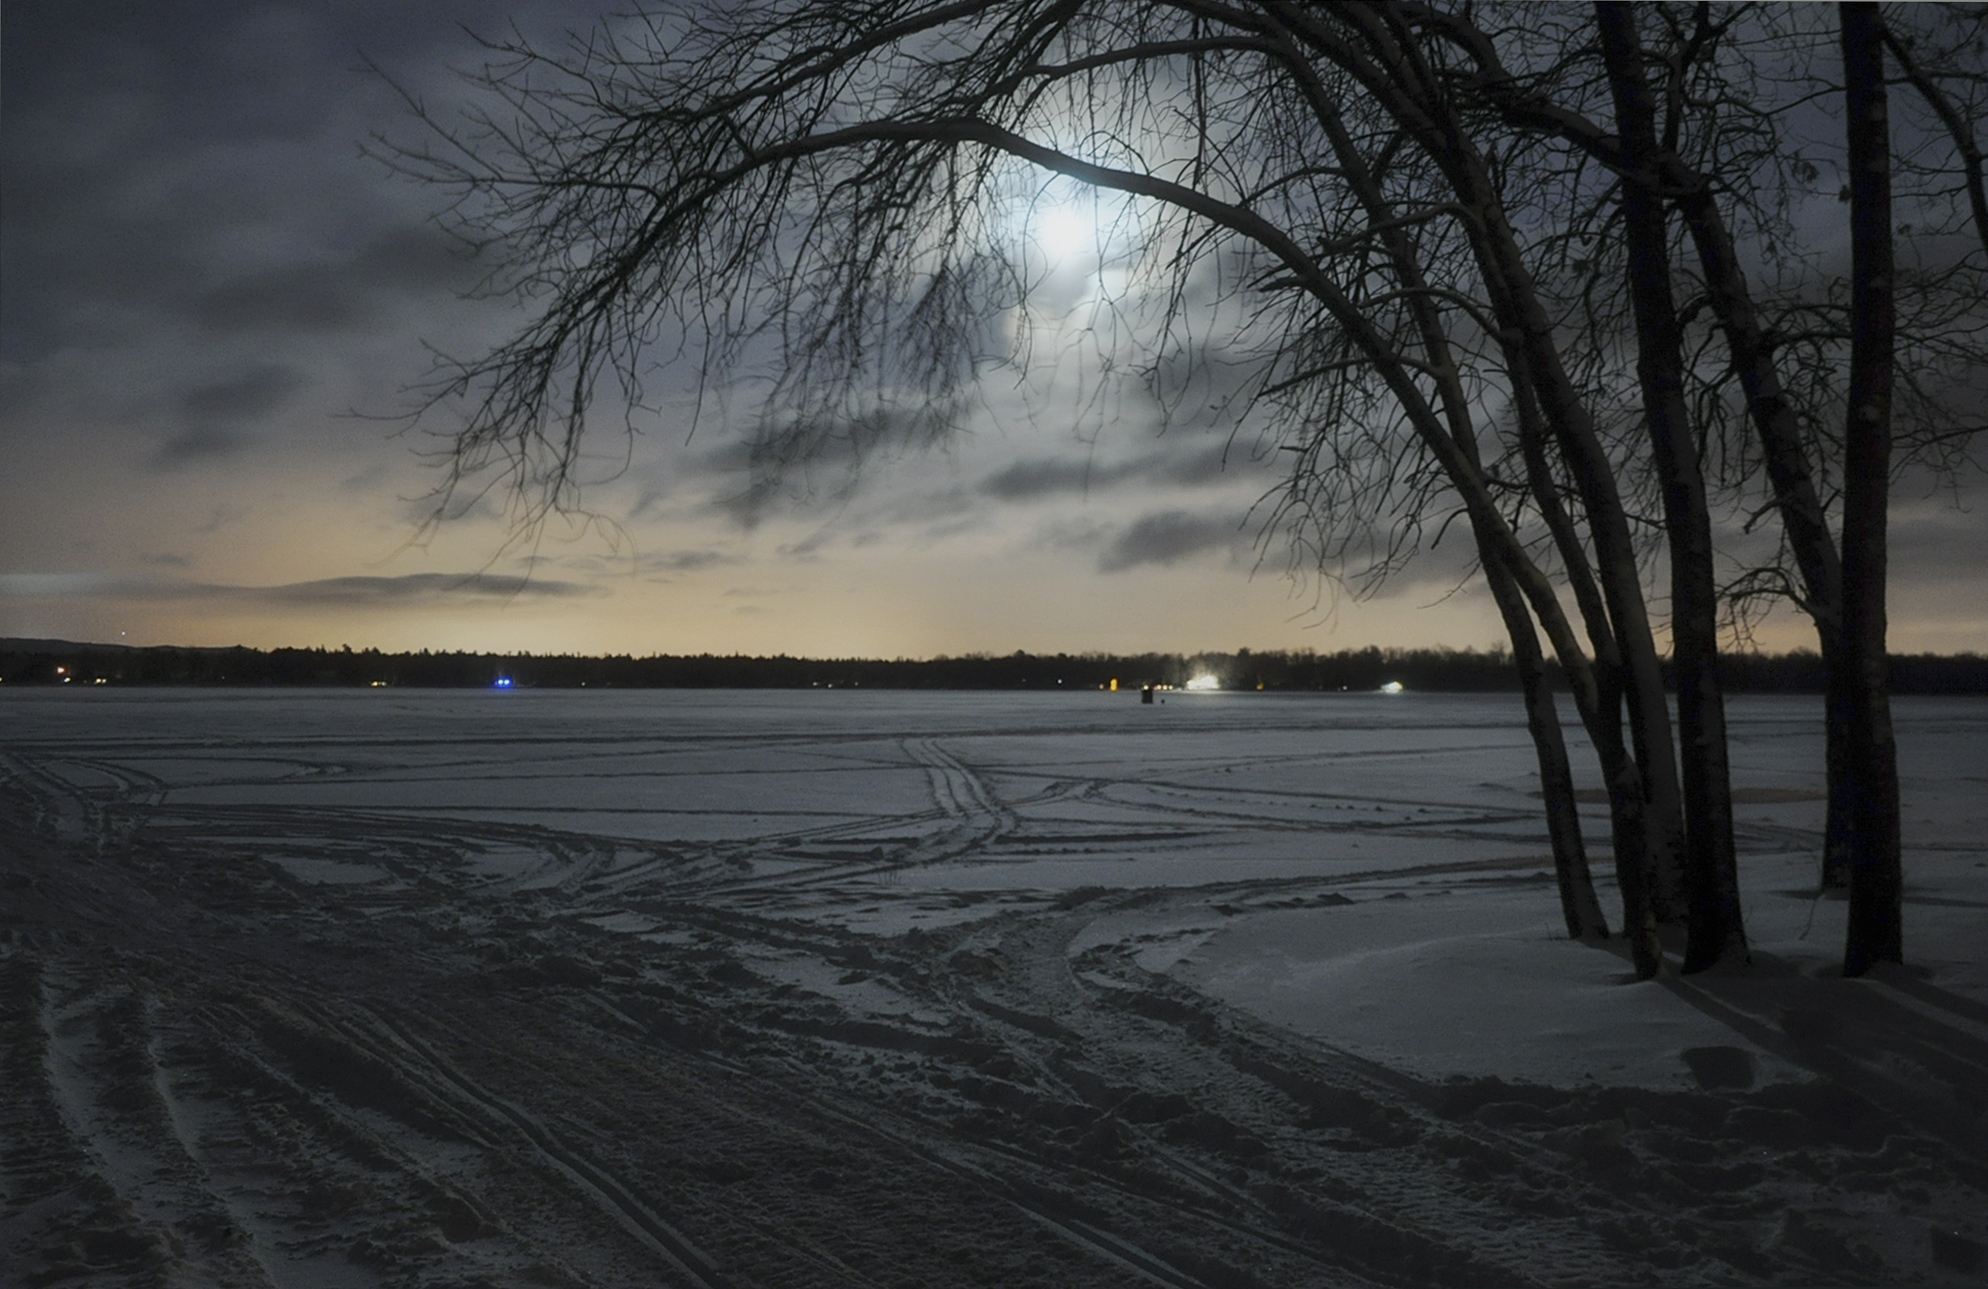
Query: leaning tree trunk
[
  {"x": 1517, "y": 302},
  {"x": 1753, "y": 363},
  {"x": 1616, "y": 570},
  {"x": 1385, "y": 58},
  {"x": 1876, "y": 876},
  {"x": 1578, "y": 902},
  {"x": 1600, "y": 704},
  {"x": 1795, "y": 496},
  {"x": 1839, "y": 765},
  {"x": 1716, "y": 931}
]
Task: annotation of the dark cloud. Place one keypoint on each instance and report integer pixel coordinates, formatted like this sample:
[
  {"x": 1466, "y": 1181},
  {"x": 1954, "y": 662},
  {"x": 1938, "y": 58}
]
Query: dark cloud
[
  {"x": 685, "y": 561},
  {"x": 1045, "y": 477},
  {"x": 417, "y": 261},
  {"x": 729, "y": 456},
  {"x": 62, "y": 586},
  {"x": 198, "y": 444},
  {"x": 359, "y": 591},
  {"x": 110, "y": 111},
  {"x": 255, "y": 392},
  {"x": 1931, "y": 539},
  {"x": 367, "y": 481},
  {"x": 669, "y": 473},
  {"x": 319, "y": 296},
  {"x": 1201, "y": 468},
  {"x": 742, "y": 496},
  {"x": 174, "y": 159},
  {"x": 221, "y": 517},
  {"x": 354, "y": 592},
  {"x": 296, "y": 297},
  {"x": 1166, "y": 538},
  {"x": 79, "y": 266},
  {"x": 748, "y": 506},
  {"x": 212, "y": 414},
  {"x": 660, "y": 566},
  {"x": 808, "y": 547},
  {"x": 817, "y": 461},
  {"x": 1168, "y": 462},
  {"x": 234, "y": 69}
]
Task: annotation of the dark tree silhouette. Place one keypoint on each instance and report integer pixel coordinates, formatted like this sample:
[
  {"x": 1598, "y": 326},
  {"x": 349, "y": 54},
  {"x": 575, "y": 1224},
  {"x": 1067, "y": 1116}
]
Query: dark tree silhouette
[
  {"x": 1876, "y": 883},
  {"x": 1716, "y": 929},
  {"x": 1406, "y": 217},
  {"x": 1725, "y": 97}
]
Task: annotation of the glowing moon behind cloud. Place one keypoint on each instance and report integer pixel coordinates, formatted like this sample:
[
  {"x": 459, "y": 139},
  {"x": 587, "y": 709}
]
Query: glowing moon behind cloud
[{"x": 1065, "y": 230}]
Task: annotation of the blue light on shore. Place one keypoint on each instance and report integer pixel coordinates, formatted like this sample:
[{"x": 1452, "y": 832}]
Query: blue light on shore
[{"x": 503, "y": 682}]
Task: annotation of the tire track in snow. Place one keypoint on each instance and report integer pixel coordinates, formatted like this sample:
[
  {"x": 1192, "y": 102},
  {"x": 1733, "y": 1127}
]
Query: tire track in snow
[
  {"x": 62, "y": 1211},
  {"x": 977, "y": 817},
  {"x": 970, "y": 818},
  {"x": 1521, "y": 1178},
  {"x": 103, "y": 1073},
  {"x": 55, "y": 806},
  {"x": 1343, "y": 1233},
  {"x": 1114, "y": 1249},
  {"x": 69, "y": 806},
  {"x": 614, "y": 1197}
]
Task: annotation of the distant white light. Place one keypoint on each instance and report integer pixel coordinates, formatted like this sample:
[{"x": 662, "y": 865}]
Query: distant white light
[
  {"x": 503, "y": 682},
  {"x": 1392, "y": 687},
  {"x": 1204, "y": 682}
]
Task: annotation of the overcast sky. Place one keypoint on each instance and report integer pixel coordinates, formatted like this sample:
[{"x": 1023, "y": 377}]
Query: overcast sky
[{"x": 214, "y": 305}]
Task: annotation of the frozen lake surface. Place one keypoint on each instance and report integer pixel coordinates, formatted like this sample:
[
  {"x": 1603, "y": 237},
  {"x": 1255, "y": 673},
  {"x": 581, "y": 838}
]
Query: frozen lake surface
[{"x": 1180, "y": 989}]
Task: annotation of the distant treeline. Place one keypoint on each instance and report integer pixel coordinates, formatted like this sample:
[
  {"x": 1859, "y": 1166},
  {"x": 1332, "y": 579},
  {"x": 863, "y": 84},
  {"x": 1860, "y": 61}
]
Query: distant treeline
[{"x": 47, "y": 662}]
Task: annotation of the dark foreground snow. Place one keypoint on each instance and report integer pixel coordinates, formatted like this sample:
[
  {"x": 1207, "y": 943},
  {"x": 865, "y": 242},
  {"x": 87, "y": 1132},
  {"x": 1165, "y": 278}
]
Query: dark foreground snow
[{"x": 821, "y": 989}]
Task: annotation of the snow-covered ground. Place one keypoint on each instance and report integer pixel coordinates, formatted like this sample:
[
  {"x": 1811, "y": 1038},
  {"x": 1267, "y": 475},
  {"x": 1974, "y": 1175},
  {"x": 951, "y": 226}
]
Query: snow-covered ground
[{"x": 841, "y": 987}]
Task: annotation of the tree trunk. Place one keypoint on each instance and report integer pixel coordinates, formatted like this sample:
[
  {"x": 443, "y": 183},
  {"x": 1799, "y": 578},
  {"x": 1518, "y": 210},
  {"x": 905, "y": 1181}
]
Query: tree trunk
[
  {"x": 1716, "y": 932},
  {"x": 1579, "y": 904},
  {"x": 1600, "y": 709},
  {"x": 1876, "y": 877},
  {"x": 1512, "y": 291},
  {"x": 1785, "y": 457},
  {"x": 1802, "y": 517},
  {"x": 1385, "y": 59},
  {"x": 1839, "y": 714}
]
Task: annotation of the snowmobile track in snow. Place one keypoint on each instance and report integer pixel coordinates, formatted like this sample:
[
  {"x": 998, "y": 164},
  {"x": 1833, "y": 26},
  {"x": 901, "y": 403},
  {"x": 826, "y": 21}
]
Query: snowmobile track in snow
[{"x": 284, "y": 1043}]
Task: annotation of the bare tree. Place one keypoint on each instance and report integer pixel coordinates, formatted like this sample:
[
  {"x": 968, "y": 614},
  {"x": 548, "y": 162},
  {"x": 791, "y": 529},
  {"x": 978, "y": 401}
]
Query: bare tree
[
  {"x": 1876, "y": 882},
  {"x": 1723, "y": 105},
  {"x": 1380, "y": 221},
  {"x": 1716, "y": 928},
  {"x": 1380, "y": 48},
  {"x": 820, "y": 183},
  {"x": 827, "y": 194}
]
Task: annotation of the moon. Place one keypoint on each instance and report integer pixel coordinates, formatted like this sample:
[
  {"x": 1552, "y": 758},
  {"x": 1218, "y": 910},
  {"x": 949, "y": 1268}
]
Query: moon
[{"x": 1066, "y": 230}]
